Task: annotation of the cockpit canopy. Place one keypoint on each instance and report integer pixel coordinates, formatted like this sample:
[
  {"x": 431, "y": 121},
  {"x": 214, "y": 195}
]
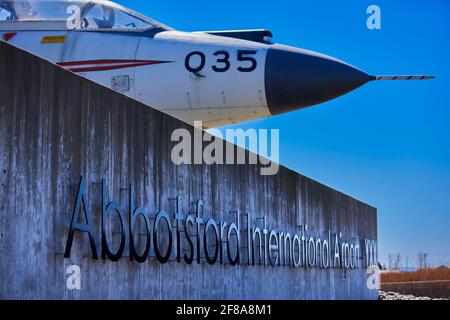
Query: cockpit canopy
[{"x": 75, "y": 14}]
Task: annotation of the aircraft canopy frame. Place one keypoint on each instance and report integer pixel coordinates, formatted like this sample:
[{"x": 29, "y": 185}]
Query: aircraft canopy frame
[{"x": 77, "y": 15}]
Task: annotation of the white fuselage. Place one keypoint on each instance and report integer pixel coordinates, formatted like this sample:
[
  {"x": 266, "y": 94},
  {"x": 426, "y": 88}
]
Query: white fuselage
[
  {"x": 219, "y": 78},
  {"x": 191, "y": 76}
]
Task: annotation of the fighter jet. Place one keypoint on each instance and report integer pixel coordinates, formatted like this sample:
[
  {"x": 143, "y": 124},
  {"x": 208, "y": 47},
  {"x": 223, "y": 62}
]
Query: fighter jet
[{"x": 218, "y": 77}]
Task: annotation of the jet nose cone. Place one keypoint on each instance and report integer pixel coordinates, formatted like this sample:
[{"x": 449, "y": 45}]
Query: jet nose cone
[{"x": 297, "y": 78}]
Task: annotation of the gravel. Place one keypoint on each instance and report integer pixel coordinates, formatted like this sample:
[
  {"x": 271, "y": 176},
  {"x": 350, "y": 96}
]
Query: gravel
[{"x": 398, "y": 296}]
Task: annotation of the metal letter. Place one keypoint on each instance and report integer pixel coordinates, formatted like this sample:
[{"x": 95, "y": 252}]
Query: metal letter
[
  {"x": 134, "y": 215},
  {"x": 75, "y": 226},
  {"x": 211, "y": 223},
  {"x": 106, "y": 209},
  {"x": 162, "y": 215}
]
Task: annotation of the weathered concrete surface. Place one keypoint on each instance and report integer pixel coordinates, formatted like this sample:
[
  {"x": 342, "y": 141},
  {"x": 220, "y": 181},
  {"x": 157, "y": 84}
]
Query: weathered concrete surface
[{"x": 56, "y": 126}]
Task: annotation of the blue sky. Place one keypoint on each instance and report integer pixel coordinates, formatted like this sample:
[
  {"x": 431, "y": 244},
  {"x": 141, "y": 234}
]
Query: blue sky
[{"x": 388, "y": 143}]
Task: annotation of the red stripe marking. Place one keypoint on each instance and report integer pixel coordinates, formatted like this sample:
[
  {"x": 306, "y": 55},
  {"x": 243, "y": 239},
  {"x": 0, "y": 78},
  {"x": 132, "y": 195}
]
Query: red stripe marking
[
  {"x": 112, "y": 67},
  {"x": 8, "y": 36},
  {"x": 107, "y": 64}
]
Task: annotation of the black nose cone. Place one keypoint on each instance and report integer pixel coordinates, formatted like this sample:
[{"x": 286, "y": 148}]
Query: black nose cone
[{"x": 297, "y": 78}]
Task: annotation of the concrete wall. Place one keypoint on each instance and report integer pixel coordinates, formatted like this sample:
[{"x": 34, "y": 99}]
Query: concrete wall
[{"x": 56, "y": 127}]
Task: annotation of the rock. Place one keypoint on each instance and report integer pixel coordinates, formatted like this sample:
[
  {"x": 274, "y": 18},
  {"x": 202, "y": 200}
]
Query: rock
[{"x": 397, "y": 296}]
